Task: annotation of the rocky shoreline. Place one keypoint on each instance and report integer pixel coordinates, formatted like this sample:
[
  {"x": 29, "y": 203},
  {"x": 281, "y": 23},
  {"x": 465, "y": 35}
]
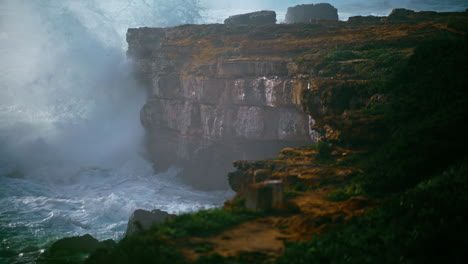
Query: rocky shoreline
[{"x": 218, "y": 92}]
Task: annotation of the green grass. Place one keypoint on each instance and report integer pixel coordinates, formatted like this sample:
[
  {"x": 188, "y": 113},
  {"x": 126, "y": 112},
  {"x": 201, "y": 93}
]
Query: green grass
[
  {"x": 144, "y": 248},
  {"x": 291, "y": 194},
  {"x": 354, "y": 159},
  {"x": 345, "y": 193},
  {"x": 299, "y": 60},
  {"x": 300, "y": 187},
  {"x": 157, "y": 245},
  {"x": 203, "y": 223},
  {"x": 324, "y": 150}
]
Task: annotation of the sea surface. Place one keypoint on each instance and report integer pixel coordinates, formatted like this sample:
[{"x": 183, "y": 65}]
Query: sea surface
[{"x": 96, "y": 201}]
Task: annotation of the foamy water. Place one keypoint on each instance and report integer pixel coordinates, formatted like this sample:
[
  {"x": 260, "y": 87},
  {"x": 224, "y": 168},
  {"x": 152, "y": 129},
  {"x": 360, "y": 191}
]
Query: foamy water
[{"x": 95, "y": 201}]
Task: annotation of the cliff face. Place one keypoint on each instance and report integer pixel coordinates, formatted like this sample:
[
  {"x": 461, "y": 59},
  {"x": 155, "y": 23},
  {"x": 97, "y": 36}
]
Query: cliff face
[
  {"x": 217, "y": 93},
  {"x": 202, "y": 113},
  {"x": 350, "y": 77}
]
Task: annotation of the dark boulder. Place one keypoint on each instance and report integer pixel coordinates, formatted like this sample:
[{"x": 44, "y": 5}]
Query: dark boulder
[
  {"x": 255, "y": 18},
  {"x": 310, "y": 13},
  {"x": 74, "y": 249},
  {"x": 142, "y": 220}
]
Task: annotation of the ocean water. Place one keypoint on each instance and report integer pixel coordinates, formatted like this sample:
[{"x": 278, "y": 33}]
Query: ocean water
[{"x": 95, "y": 201}]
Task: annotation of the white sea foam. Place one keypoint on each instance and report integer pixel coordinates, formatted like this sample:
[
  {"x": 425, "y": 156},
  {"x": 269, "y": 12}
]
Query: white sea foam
[{"x": 99, "y": 202}]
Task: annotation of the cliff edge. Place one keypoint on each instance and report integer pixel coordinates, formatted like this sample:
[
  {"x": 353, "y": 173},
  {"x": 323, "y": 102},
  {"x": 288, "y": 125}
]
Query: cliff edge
[{"x": 218, "y": 93}]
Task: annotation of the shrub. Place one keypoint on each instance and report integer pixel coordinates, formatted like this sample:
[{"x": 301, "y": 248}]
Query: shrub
[
  {"x": 299, "y": 60},
  {"x": 324, "y": 150},
  {"x": 345, "y": 193},
  {"x": 203, "y": 223},
  {"x": 341, "y": 55},
  {"x": 300, "y": 187},
  {"x": 425, "y": 117}
]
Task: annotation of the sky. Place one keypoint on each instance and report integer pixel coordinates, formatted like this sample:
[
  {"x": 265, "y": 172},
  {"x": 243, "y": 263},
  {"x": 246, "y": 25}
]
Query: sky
[{"x": 345, "y": 8}]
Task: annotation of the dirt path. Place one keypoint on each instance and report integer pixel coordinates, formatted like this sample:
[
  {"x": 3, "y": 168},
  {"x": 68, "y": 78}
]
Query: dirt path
[
  {"x": 266, "y": 236},
  {"x": 314, "y": 213}
]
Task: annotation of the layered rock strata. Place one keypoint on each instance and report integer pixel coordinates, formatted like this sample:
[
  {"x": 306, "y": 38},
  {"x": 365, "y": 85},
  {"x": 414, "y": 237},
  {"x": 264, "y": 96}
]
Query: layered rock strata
[
  {"x": 218, "y": 93},
  {"x": 202, "y": 113}
]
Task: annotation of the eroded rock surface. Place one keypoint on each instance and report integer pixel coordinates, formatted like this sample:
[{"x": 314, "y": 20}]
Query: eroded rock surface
[
  {"x": 255, "y": 18},
  {"x": 311, "y": 13},
  {"x": 206, "y": 110}
]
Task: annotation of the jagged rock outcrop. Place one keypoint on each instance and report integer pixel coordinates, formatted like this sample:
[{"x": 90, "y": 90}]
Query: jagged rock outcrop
[
  {"x": 254, "y": 18},
  {"x": 141, "y": 220},
  {"x": 311, "y": 13}
]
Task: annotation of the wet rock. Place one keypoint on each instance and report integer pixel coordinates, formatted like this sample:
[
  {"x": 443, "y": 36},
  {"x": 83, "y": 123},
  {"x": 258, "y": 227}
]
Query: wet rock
[
  {"x": 142, "y": 220},
  {"x": 73, "y": 249},
  {"x": 255, "y": 18},
  {"x": 310, "y": 13}
]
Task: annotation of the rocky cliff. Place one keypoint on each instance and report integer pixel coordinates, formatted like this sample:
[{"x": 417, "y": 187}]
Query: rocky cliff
[
  {"x": 208, "y": 105},
  {"x": 218, "y": 93},
  {"x": 356, "y": 194},
  {"x": 311, "y": 12}
]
